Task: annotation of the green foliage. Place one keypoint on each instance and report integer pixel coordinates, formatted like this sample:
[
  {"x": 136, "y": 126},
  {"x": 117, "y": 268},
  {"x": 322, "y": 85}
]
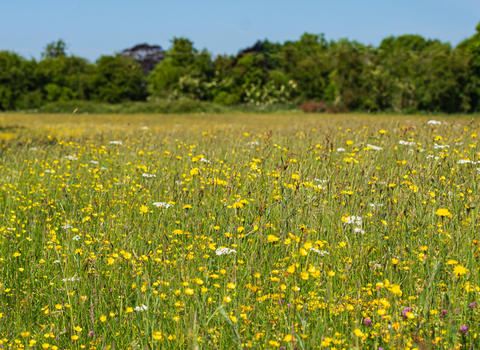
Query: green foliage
[
  {"x": 407, "y": 73},
  {"x": 118, "y": 79}
]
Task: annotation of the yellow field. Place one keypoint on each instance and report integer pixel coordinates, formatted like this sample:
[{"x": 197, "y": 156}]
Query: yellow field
[{"x": 289, "y": 231}]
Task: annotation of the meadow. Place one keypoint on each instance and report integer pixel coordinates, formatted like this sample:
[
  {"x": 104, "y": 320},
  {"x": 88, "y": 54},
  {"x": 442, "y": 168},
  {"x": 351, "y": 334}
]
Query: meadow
[{"x": 241, "y": 231}]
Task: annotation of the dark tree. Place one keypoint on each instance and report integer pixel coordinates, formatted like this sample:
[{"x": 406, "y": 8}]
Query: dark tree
[{"x": 148, "y": 56}]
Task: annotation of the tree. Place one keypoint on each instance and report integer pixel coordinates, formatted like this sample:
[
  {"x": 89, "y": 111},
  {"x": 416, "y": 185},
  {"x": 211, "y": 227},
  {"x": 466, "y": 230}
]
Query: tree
[
  {"x": 55, "y": 49},
  {"x": 118, "y": 79}
]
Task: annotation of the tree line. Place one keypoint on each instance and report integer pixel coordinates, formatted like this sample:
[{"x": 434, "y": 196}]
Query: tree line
[{"x": 406, "y": 73}]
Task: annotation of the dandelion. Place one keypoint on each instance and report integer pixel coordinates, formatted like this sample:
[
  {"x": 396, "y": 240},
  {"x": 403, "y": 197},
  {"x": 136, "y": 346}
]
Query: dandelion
[{"x": 443, "y": 212}]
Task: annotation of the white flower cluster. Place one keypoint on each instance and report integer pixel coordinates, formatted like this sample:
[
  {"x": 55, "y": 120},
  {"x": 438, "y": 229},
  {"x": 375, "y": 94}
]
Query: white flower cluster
[
  {"x": 355, "y": 220},
  {"x": 71, "y": 279},
  {"x": 225, "y": 251},
  {"x": 319, "y": 252},
  {"x": 116, "y": 142},
  {"x": 163, "y": 205},
  {"x": 140, "y": 308},
  {"x": 406, "y": 143},
  {"x": 204, "y": 160},
  {"x": 434, "y": 122},
  {"x": 466, "y": 161},
  {"x": 76, "y": 238},
  {"x": 375, "y": 148},
  {"x": 340, "y": 149},
  {"x": 74, "y": 157},
  {"x": 440, "y": 146},
  {"x": 148, "y": 175}
]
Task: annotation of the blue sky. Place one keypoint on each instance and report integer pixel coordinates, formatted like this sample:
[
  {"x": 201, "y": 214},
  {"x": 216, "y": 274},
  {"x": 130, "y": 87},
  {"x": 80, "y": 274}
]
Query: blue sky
[{"x": 95, "y": 27}]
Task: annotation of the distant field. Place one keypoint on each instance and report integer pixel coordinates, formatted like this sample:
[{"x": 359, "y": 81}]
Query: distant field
[{"x": 262, "y": 231}]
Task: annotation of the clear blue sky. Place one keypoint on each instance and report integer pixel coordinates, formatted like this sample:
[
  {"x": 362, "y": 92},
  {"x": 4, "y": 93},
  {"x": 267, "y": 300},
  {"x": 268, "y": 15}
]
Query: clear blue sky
[{"x": 95, "y": 27}]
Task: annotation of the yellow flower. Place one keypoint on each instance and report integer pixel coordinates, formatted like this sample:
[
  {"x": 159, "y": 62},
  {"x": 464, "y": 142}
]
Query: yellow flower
[
  {"x": 349, "y": 142},
  {"x": 189, "y": 291},
  {"x": 231, "y": 286},
  {"x": 129, "y": 310},
  {"x": 291, "y": 269},
  {"x": 16, "y": 254},
  {"x": 288, "y": 338},
  {"x": 227, "y": 299},
  {"x": 358, "y": 332},
  {"x": 383, "y": 132},
  {"x": 25, "y": 334},
  {"x": 459, "y": 270},
  {"x": 394, "y": 261},
  {"x": 78, "y": 329},
  {"x": 233, "y": 318},
  {"x": 157, "y": 336},
  {"x": 75, "y": 337},
  {"x": 187, "y": 206},
  {"x": 295, "y": 176},
  {"x": 304, "y": 275},
  {"x": 45, "y": 346},
  {"x": 143, "y": 209},
  {"x": 103, "y": 318},
  {"x": 110, "y": 261},
  {"x": 274, "y": 343},
  {"x": 331, "y": 273},
  {"x": 443, "y": 212},
  {"x": 272, "y": 238}
]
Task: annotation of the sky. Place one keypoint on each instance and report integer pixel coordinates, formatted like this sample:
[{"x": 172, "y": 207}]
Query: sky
[{"x": 92, "y": 28}]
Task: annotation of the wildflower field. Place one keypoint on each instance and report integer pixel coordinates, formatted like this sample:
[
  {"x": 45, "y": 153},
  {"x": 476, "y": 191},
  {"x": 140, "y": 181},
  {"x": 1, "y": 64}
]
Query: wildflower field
[{"x": 239, "y": 231}]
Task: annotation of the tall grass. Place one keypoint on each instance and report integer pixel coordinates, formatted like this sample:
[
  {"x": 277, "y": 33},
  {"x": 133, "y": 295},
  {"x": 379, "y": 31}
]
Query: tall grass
[{"x": 238, "y": 231}]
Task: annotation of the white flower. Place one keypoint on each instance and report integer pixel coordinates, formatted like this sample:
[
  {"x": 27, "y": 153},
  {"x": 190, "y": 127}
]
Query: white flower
[
  {"x": 71, "y": 279},
  {"x": 434, "y": 122},
  {"x": 205, "y": 161},
  {"x": 163, "y": 205},
  {"x": 140, "y": 308},
  {"x": 358, "y": 230},
  {"x": 357, "y": 220},
  {"x": 458, "y": 143},
  {"x": 103, "y": 168},
  {"x": 56, "y": 262},
  {"x": 376, "y": 204},
  {"x": 321, "y": 181},
  {"x": 320, "y": 252},
  {"x": 48, "y": 171},
  {"x": 76, "y": 238},
  {"x": 406, "y": 143},
  {"x": 253, "y": 143},
  {"x": 178, "y": 182},
  {"x": 10, "y": 229},
  {"x": 116, "y": 142},
  {"x": 225, "y": 251},
  {"x": 73, "y": 157},
  {"x": 440, "y": 146},
  {"x": 340, "y": 149},
  {"x": 465, "y": 161},
  {"x": 376, "y": 148},
  {"x": 148, "y": 175},
  {"x": 94, "y": 162},
  {"x": 375, "y": 265},
  {"x": 34, "y": 149},
  {"x": 144, "y": 128},
  {"x": 66, "y": 226},
  {"x": 432, "y": 156}
]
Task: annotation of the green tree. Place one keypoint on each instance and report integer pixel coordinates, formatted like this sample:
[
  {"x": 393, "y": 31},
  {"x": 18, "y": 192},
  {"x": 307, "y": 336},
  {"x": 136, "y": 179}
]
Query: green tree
[{"x": 117, "y": 79}]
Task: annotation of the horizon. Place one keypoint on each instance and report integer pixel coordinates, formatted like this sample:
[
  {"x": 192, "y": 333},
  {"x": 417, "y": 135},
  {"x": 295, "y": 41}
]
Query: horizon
[{"x": 92, "y": 29}]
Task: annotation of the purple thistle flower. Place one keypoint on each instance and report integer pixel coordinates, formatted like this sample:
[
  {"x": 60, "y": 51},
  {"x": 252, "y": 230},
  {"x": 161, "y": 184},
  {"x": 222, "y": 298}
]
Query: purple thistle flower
[
  {"x": 368, "y": 322},
  {"x": 443, "y": 313},
  {"x": 464, "y": 330},
  {"x": 473, "y": 305}
]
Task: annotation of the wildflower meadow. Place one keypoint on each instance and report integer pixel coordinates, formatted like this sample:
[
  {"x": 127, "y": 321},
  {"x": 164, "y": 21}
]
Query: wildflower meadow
[{"x": 281, "y": 231}]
